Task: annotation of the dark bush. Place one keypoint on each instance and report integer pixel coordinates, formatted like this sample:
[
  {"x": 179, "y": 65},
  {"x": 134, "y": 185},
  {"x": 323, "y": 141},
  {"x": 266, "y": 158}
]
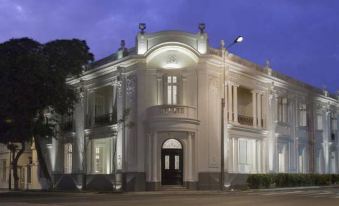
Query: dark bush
[{"x": 256, "y": 181}]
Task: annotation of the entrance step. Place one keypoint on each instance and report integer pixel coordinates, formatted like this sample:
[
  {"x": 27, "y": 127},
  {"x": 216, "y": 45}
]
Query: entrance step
[{"x": 173, "y": 188}]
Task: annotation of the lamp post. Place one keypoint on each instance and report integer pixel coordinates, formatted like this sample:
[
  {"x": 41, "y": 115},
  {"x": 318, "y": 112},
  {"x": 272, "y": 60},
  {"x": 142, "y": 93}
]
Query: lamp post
[{"x": 239, "y": 39}]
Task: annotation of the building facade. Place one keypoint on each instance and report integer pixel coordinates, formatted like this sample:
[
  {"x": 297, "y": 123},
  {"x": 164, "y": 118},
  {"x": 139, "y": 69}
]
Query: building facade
[{"x": 151, "y": 116}]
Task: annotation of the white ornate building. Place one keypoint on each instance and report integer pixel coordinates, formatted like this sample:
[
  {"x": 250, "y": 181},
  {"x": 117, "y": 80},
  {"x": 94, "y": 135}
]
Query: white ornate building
[{"x": 151, "y": 116}]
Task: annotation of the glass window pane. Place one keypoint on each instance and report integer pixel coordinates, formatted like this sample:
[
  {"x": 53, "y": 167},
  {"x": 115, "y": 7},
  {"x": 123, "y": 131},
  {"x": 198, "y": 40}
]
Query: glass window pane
[
  {"x": 166, "y": 162},
  {"x": 99, "y": 158},
  {"x": 169, "y": 79},
  {"x": 174, "y": 79},
  {"x": 169, "y": 95},
  {"x": 174, "y": 95},
  {"x": 242, "y": 152},
  {"x": 176, "y": 162}
]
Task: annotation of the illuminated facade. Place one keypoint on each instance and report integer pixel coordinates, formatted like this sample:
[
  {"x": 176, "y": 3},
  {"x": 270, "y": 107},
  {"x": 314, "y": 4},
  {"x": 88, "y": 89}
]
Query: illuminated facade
[{"x": 150, "y": 116}]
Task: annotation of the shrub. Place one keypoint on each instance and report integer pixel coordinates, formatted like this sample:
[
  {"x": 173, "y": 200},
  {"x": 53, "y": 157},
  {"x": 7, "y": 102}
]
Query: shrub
[{"x": 256, "y": 181}]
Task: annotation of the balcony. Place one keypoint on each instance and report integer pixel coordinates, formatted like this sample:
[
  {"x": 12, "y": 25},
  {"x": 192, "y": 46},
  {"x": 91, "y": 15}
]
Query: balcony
[
  {"x": 101, "y": 120},
  {"x": 245, "y": 120},
  {"x": 67, "y": 125},
  {"x": 172, "y": 112}
]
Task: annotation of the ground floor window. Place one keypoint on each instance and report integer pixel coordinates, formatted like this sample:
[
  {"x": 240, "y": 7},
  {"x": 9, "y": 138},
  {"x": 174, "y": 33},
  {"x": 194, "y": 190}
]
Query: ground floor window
[
  {"x": 283, "y": 157},
  {"x": 249, "y": 156},
  {"x": 3, "y": 170},
  {"x": 68, "y": 158},
  {"x": 302, "y": 161},
  {"x": 101, "y": 156}
]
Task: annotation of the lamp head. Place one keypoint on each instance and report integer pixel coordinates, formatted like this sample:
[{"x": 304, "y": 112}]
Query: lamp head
[{"x": 239, "y": 39}]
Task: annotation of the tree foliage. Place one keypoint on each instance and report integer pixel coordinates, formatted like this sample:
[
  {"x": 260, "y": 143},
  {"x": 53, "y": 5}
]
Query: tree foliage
[{"x": 33, "y": 78}]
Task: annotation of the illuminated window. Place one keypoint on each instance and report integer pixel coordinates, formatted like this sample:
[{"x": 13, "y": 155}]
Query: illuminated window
[
  {"x": 101, "y": 156},
  {"x": 68, "y": 158},
  {"x": 172, "y": 89},
  {"x": 99, "y": 159}
]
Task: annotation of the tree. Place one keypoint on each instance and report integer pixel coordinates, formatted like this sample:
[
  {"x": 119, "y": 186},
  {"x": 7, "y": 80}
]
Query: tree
[{"x": 33, "y": 82}]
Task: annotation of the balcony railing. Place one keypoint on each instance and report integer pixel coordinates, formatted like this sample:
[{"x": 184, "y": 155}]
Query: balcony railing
[
  {"x": 245, "y": 120},
  {"x": 101, "y": 120},
  {"x": 67, "y": 125},
  {"x": 172, "y": 111}
]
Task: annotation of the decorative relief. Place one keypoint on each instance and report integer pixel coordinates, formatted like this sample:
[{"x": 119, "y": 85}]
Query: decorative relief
[
  {"x": 172, "y": 59},
  {"x": 131, "y": 85}
]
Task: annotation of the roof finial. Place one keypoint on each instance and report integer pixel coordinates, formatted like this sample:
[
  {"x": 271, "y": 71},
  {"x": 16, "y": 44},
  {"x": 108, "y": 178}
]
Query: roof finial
[
  {"x": 268, "y": 63},
  {"x": 142, "y": 27},
  {"x": 202, "y": 27},
  {"x": 122, "y": 44}
]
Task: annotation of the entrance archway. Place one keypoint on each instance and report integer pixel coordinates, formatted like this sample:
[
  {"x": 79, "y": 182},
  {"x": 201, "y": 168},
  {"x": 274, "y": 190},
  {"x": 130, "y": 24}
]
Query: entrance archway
[{"x": 171, "y": 163}]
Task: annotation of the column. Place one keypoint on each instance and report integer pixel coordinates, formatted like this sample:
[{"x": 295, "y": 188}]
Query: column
[
  {"x": 154, "y": 157},
  {"x": 259, "y": 109},
  {"x": 159, "y": 90},
  {"x": 254, "y": 102},
  {"x": 190, "y": 157},
  {"x": 229, "y": 99},
  {"x": 235, "y": 155},
  {"x": 91, "y": 108},
  {"x": 235, "y": 102},
  {"x": 182, "y": 97}
]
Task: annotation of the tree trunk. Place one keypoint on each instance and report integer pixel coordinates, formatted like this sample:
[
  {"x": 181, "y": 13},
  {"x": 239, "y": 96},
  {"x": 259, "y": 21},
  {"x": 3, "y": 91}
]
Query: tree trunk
[
  {"x": 15, "y": 165},
  {"x": 42, "y": 162}
]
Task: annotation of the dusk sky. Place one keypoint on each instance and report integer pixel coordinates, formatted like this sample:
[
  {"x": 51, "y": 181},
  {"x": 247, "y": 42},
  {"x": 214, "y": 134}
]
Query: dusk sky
[{"x": 300, "y": 37}]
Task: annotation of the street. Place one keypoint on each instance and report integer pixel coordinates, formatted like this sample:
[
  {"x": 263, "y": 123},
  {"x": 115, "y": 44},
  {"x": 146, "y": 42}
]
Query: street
[{"x": 328, "y": 196}]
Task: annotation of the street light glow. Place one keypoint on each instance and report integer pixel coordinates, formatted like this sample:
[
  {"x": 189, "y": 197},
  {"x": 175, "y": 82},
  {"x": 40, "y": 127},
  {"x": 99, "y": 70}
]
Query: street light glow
[{"x": 239, "y": 39}]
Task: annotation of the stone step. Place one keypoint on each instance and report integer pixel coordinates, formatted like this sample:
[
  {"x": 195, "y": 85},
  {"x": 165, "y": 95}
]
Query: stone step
[{"x": 173, "y": 188}]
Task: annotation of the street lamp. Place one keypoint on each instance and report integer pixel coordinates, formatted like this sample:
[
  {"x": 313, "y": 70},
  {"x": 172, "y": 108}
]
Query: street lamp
[{"x": 239, "y": 39}]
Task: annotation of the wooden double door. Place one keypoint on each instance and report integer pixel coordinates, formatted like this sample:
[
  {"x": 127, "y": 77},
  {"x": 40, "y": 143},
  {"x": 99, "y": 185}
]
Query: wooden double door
[{"x": 172, "y": 166}]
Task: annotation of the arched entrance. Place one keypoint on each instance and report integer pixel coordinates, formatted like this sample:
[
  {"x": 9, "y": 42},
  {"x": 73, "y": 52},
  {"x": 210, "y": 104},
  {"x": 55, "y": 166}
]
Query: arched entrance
[{"x": 171, "y": 163}]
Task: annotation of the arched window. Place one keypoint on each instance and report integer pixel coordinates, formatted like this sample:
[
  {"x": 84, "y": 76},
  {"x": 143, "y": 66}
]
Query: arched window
[{"x": 172, "y": 144}]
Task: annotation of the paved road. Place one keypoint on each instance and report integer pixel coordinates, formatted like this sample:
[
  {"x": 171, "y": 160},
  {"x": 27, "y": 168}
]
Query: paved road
[{"x": 313, "y": 197}]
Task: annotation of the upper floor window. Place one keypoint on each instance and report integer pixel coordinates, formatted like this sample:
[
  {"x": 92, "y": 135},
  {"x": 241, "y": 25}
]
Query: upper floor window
[
  {"x": 302, "y": 115},
  {"x": 319, "y": 122},
  {"x": 172, "y": 85},
  {"x": 282, "y": 109},
  {"x": 334, "y": 123},
  {"x": 99, "y": 105}
]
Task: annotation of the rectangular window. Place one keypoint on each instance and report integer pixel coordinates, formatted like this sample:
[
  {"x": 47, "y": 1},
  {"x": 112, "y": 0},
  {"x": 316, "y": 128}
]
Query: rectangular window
[
  {"x": 282, "y": 110},
  {"x": 176, "y": 162},
  {"x": 68, "y": 158},
  {"x": 172, "y": 89},
  {"x": 167, "y": 162},
  {"x": 242, "y": 151},
  {"x": 319, "y": 122},
  {"x": 99, "y": 105},
  {"x": 3, "y": 170},
  {"x": 101, "y": 156},
  {"x": 99, "y": 159},
  {"x": 302, "y": 115},
  {"x": 334, "y": 122}
]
